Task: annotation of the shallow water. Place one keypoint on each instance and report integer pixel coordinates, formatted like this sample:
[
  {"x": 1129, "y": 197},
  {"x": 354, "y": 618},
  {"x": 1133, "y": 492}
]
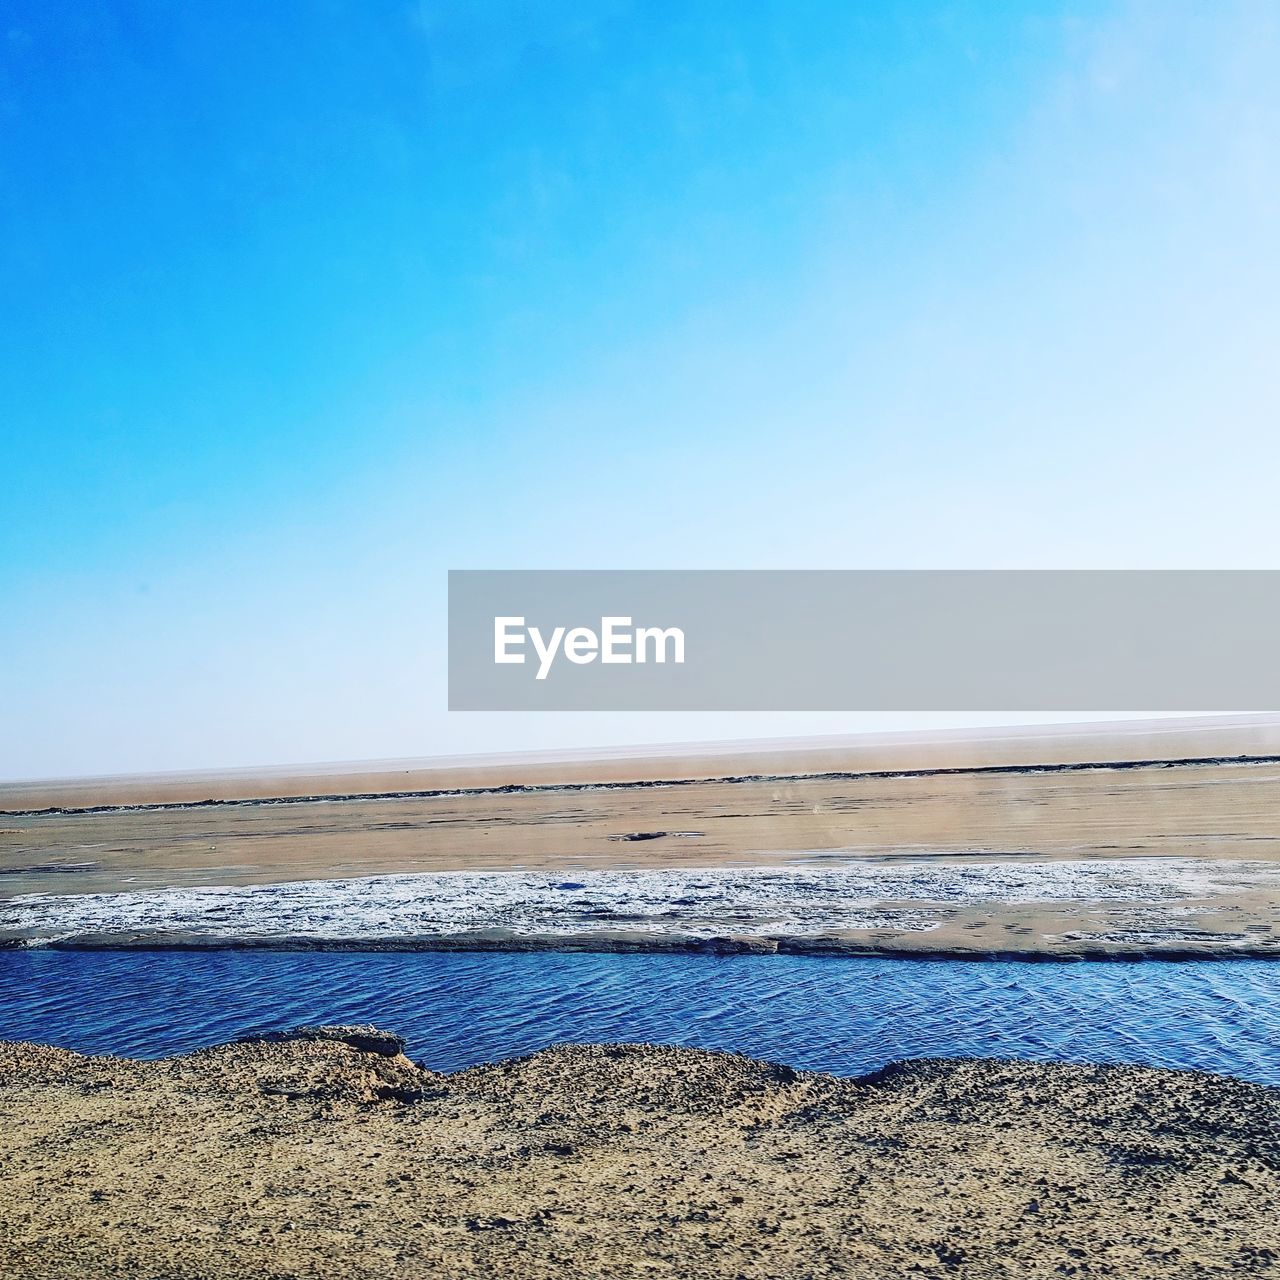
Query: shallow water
[{"x": 846, "y": 1015}]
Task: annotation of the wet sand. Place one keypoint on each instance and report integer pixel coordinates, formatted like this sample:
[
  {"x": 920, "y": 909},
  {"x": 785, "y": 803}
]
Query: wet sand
[
  {"x": 339, "y": 1157},
  {"x": 1192, "y": 791},
  {"x": 1012, "y": 908}
]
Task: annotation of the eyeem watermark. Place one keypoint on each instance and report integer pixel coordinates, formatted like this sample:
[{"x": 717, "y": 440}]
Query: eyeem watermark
[
  {"x": 864, "y": 640},
  {"x": 617, "y": 641}
]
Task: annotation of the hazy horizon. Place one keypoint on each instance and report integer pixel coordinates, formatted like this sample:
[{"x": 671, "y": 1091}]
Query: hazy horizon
[
  {"x": 894, "y": 732},
  {"x": 304, "y": 312}
]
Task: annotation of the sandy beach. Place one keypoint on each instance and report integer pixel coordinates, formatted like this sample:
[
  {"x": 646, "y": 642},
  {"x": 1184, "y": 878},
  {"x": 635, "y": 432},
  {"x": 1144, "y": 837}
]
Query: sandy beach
[
  {"x": 1148, "y": 838},
  {"x": 339, "y": 1157}
]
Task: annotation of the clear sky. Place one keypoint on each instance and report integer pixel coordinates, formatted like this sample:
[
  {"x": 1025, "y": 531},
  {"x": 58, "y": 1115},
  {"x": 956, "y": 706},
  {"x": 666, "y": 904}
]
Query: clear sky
[{"x": 306, "y": 303}]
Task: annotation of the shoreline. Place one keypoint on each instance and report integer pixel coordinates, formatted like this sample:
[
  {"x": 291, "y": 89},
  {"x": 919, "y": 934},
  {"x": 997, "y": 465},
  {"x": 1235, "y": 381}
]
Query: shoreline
[
  {"x": 343, "y": 1044},
  {"x": 727, "y": 948}
]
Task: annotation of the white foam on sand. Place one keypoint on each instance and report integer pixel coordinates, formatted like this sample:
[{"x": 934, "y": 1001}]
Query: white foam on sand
[{"x": 795, "y": 901}]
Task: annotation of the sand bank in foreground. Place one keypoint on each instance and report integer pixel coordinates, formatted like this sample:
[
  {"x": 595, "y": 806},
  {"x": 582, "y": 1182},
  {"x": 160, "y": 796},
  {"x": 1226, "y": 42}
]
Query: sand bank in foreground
[{"x": 326, "y": 1158}]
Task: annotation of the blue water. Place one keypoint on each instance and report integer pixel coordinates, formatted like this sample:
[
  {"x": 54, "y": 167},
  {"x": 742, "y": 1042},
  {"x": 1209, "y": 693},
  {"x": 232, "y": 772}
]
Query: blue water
[{"x": 823, "y": 1013}]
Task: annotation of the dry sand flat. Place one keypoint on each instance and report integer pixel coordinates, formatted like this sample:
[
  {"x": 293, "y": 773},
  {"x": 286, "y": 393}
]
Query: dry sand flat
[
  {"x": 318, "y": 1158},
  {"x": 1193, "y": 791},
  {"x": 1227, "y": 811}
]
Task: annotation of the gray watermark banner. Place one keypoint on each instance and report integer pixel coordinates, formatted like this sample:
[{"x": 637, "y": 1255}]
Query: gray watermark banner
[{"x": 864, "y": 640}]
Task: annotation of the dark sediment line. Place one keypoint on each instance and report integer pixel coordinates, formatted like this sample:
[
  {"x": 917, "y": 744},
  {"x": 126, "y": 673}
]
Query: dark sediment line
[
  {"x": 555, "y": 788},
  {"x": 644, "y": 945}
]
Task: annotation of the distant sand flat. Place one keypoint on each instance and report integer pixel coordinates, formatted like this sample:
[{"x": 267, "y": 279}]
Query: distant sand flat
[{"x": 1171, "y": 795}]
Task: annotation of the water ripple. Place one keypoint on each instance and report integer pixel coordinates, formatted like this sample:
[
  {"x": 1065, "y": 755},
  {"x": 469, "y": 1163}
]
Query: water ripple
[{"x": 846, "y": 1015}]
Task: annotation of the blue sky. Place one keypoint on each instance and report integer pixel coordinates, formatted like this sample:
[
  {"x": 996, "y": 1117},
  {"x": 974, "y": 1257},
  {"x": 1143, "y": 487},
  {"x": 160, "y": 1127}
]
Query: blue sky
[{"x": 306, "y": 304}]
